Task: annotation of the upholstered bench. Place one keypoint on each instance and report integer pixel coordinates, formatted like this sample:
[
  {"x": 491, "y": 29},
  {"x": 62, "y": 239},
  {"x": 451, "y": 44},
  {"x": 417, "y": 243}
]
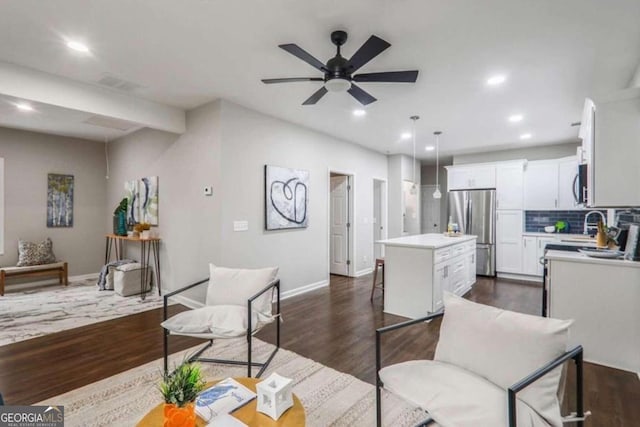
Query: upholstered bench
[{"x": 58, "y": 268}]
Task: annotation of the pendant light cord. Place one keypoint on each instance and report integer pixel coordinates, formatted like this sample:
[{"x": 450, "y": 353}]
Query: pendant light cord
[{"x": 414, "y": 119}]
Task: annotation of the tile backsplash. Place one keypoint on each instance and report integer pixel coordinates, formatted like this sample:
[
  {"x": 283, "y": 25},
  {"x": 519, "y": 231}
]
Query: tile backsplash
[{"x": 535, "y": 221}]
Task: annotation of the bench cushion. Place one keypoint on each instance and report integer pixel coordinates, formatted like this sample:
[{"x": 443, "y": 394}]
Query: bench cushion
[
  {"x": 454, "y": 396},
  {"x": 26, "y": 269}
]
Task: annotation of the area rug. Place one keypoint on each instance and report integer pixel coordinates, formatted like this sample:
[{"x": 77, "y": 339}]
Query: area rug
[
  {"x": 330, "y": 398},
  {"x": 39, "y": 311}
]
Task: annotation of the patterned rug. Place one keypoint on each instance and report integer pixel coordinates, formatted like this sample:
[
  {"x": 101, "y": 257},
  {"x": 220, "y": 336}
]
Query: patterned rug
[
  {"x": 330, "y": 398},
  {"x": 39, "y": 311}
]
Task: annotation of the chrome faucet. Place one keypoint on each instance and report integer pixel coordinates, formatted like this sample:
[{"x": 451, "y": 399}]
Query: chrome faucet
[{"x": 587, "y": 224}]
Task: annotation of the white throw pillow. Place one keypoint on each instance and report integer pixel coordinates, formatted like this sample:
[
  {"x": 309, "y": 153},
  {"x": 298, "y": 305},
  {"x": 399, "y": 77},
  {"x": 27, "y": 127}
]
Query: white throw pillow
[
  {"x": 504, "y": 347},
  {"x": 223, "y": 321},
  {"x": 235, "y": 286}
]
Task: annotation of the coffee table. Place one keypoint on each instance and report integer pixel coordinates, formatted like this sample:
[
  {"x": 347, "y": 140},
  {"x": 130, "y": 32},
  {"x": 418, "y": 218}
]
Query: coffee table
[{"x": 294, "y": 417}]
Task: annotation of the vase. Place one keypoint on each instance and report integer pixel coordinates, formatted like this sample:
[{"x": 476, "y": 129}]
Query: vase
[
  {"x": 175, "y": 416},
  {"x": 120, "y": 224}
]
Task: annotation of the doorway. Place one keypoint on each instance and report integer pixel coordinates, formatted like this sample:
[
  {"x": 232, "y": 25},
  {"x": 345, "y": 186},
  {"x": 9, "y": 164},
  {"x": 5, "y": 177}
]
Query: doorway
[
  {"x": 340, "y": 224},
  {"x": 430, "y": 210},
  {"x": 379, "y": 220}
]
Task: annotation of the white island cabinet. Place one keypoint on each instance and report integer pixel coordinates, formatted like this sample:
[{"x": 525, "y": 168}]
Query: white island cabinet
[
  {"x": 418, "y": 268},
  {"x": 601, "y": 296}
]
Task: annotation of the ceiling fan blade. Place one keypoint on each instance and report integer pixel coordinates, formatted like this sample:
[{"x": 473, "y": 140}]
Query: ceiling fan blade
[
  {"x": 299, "y": 52},
  {"x": 363, "y": 97},
  {"x": 293, "y": 79},
  {"x": 316, "y": 96},
  {"x": 390, "y": 76},
  {"x": 369, "y": 50}
]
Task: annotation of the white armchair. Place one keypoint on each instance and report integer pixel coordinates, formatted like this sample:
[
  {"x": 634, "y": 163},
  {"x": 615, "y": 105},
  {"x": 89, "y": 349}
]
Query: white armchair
[
  {"x": 239, "y": 302},
  {"x": 491, "y": 367}
]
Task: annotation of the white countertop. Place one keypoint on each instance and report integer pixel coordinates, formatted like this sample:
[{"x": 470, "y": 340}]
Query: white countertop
[
  {"x": 427, "y": 241},
  {"x": 582, "y": 258}
]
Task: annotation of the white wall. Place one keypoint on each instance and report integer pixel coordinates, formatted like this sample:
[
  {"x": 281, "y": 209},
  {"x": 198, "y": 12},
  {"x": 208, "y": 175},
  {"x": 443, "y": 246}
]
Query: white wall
[
  {"x": 28, "y": 158},
  {"x": 428, "y": 177},
  {"x": 227, "y": 146},
  {"x": 401, "y": 169},
  {"x": 529, "y": 153}
]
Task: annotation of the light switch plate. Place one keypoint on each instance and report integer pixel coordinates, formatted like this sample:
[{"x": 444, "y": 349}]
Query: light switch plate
[{"x": 240, "y": 225}]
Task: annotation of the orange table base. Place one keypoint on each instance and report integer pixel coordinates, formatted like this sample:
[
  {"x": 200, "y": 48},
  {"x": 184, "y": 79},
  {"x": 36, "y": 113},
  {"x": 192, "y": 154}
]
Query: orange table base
[{"x": 294, "y": 417}]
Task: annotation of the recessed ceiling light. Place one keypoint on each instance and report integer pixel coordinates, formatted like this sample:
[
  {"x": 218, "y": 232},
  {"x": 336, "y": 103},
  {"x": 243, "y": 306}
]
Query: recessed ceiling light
[
  {"x": 496, "y": 80},
  {"x": 359, "y": 113},
  {"x": 24, "y": 107},
  {"x": 77, "y": 46},
  {"x": 525, "y": 136},
  {"x": 429, "y": 148},
  {"x": 516, "y": 118},
  {"x": 405, "y": 135}
]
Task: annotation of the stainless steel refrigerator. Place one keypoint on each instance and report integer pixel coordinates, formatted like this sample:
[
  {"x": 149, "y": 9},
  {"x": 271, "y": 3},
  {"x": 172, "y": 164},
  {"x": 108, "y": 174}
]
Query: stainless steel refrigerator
[{"x": 475, "y": 213}]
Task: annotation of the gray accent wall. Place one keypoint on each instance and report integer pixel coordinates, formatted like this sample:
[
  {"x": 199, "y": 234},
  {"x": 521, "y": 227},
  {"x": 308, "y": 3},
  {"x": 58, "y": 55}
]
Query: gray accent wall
[
  {"x": 530, "y": 153},
  {"x": 28, "y": 158},
  {"x": 226, "y": 146}
]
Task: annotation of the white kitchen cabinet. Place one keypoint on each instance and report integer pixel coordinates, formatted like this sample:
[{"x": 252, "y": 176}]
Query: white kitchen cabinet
[
  {"x": 541, "y": 185},
  {"x": 509, "y": 185},
  {"x": 418, "y": 269},
  {"x": 471, "y": 269},
  {"x": 471, "y": 177},
  {"x": 509, "y": 241},
  {"x": 601, "y": 296},
  {"x": 615, "y": 151},
  {"x": 567, "y": 183},
  {"x": 540, "y": 245},
  {"x": 440, "y": 284},
  {"x": 529, "y": 255}
]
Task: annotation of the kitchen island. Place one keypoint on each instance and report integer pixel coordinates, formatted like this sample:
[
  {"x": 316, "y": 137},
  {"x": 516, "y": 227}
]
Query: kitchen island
[
  {"x": 602, "y": 296},
  {"x": 419, "y": 268}
]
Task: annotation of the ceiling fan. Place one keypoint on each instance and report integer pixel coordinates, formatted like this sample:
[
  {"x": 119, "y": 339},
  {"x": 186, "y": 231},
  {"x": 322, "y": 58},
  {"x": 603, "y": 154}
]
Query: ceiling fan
[{"x": 338, "y": 71}]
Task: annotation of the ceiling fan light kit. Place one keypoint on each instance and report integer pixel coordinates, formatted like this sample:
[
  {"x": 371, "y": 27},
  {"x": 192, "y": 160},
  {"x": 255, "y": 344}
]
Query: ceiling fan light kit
[{"x": 339, "y": 71}]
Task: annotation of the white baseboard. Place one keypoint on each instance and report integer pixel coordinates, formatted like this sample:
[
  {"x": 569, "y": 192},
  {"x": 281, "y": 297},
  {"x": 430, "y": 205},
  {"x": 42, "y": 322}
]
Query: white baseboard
[
  {"x": 191, "y": 303},
  {"x": 84, "y": 277},
  {"x": 283, "y": 295},
  {"x": 363, "y": 272},
  {"x": 522, "y": 277},
  {"x": 303, "y": 289}
]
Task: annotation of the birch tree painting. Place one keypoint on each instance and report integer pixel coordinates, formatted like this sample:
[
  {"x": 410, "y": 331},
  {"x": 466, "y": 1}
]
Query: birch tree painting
[{"x": 59, "y": 200}]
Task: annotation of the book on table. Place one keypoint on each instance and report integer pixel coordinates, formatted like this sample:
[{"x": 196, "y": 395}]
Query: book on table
[{"x": 222, "y": 398}]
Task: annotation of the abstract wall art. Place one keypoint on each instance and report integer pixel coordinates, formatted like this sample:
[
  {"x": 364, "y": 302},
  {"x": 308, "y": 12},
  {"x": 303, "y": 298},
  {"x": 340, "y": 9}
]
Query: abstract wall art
[
  {"x": 149, "y": 200},
  {"x": 286, "y": 197},
  {"x": 132, "y": 193},
  {"x": 59, "y": 200}
]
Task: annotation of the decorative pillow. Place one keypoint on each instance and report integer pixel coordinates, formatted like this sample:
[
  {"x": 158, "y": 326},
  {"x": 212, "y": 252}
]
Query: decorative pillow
[
  {"x": 223, "y": 321},
  {"x": 35, "y": 253},
  {"x": 236, "y": 286},
  {"x": 504, "y": 347}
]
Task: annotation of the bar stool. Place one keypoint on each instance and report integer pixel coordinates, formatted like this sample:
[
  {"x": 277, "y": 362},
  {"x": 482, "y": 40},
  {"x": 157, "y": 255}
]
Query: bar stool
[{"x": 379, "y": 263}]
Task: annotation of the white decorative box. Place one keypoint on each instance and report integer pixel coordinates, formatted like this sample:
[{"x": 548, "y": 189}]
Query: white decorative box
[{"x": 274, "y": 395}]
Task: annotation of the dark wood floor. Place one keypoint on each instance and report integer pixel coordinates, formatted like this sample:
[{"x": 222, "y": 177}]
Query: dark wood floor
[{"x": 334, "y": 326}]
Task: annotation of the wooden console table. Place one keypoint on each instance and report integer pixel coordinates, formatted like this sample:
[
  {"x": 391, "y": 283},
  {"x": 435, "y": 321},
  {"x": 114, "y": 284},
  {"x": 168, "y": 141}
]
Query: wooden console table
[{"x": 147, "y": 246}]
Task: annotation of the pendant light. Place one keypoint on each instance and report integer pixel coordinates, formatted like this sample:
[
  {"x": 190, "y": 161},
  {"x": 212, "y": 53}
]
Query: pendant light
[
  {"x": 437, "y": 194},
  {"x": 414, "y": 188}
]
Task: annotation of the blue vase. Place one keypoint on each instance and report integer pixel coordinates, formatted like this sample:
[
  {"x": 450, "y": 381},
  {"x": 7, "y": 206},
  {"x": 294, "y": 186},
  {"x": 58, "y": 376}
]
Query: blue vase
[{"x": 120, "y": 224}]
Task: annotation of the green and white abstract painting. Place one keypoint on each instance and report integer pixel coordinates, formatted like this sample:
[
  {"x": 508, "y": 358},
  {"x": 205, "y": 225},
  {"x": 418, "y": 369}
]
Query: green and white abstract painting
[
  {"x": 59, "y": 200},
  {"x": 149, "y": 200}
]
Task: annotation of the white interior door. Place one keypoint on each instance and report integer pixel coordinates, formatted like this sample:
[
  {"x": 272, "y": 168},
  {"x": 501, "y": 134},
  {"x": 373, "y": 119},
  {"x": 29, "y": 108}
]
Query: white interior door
[
  {"x": 430, "y": 210},
  {"x": 339, "y": 233}
]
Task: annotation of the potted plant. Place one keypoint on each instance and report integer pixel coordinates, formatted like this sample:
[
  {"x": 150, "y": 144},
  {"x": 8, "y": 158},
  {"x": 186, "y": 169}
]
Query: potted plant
[{"x": 179, "y": 390}]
